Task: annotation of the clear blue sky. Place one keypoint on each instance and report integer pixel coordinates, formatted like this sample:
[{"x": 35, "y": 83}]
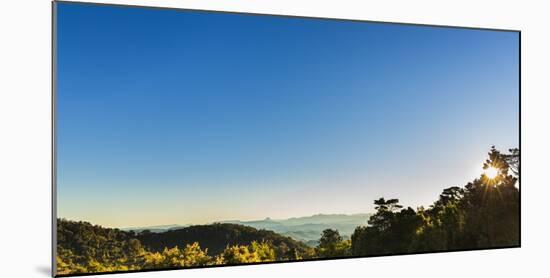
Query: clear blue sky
[{"x": 168, "y": 116}]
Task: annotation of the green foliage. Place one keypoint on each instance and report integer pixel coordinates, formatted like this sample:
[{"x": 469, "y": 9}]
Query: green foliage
[
  {"x": 253, "y": 253},
  {"x": 85, "y": 248},
  {"x": 332, "y": 245},
  {"x": 491, "y": 206},
  {"x": 191, "y": 255},
  {"x": 216, "y": 237},
  {"x": 389, "y": 230},
  {"x": 482, "y": 214}
]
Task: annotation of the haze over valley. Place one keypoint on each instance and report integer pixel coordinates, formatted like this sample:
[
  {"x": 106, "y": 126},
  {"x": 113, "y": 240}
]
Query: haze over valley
[{"x": 306, "y": 229}]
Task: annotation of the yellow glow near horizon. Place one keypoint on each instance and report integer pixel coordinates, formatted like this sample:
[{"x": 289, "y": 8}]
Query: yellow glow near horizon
[{"x": 491, "y": 172}]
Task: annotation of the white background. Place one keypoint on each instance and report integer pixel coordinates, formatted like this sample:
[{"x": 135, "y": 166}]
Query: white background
[{"x": 25, "y": 137}]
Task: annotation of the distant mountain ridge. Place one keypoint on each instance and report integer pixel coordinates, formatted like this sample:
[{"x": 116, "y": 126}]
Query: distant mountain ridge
[{"x": 307, "y": 229}]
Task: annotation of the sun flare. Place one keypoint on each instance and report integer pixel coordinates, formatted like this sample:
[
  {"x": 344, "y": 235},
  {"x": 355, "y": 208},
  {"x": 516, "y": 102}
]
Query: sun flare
[{"x": 491, "y": 172}]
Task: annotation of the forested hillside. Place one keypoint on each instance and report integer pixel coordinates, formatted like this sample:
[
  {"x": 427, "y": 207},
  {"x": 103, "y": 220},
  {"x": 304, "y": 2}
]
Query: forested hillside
[
  {"x": 216, "y": 237},
  {"x": 482, "y": 214},
  {"x": 83, "y": 247}
]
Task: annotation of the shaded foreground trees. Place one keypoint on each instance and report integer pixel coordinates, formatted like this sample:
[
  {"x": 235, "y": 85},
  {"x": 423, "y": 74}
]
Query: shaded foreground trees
[
  {"x": 332, "y": 245},
  {"x": 482, "y": 214}
]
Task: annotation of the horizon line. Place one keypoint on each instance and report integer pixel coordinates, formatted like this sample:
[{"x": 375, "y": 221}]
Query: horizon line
[{"x": 216, "y": 221}]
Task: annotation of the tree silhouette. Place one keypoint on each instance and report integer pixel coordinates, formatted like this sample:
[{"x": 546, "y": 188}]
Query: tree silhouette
[
  {"x": 331, "y": 244},
  {"x": 482, "y": 214}
]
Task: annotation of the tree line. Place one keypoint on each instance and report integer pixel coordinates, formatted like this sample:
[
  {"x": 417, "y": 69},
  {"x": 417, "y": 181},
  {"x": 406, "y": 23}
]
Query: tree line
[
  {"x": 86, "y": 248},
  {"x": 482, "y": 214}
]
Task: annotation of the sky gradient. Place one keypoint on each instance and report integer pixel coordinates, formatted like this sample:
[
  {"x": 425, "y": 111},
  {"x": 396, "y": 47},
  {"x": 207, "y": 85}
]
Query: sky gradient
[{"x": 186, "y": 117}]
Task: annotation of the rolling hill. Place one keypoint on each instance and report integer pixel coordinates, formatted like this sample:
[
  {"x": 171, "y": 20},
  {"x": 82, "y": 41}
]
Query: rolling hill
[
  {"x": 84, "y": 239},
  {"x": 306, "y": 229},
  {"x": 216, "y": 237}
]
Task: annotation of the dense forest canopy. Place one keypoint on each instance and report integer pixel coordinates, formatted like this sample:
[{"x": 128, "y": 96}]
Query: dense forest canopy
[
  {"x": 83, "y": 247},
  {"x": 482, "y": 214},
  {"x": 217, "y": 236}
]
